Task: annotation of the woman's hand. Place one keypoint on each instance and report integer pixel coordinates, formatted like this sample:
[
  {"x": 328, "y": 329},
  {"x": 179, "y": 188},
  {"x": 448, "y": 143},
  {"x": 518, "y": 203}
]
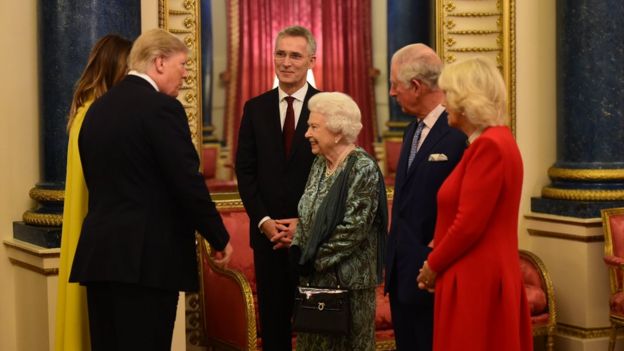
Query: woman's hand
[{"x": 426, "y": 278}]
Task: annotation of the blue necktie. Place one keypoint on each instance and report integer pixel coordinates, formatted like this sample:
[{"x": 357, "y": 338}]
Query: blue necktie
[{"x": 414, "y": 147}]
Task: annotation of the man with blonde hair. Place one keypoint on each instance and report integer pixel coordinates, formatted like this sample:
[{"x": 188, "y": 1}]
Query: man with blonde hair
[
  {"x": 430, "y": 151},
  {"x": 146, "y": 199}
]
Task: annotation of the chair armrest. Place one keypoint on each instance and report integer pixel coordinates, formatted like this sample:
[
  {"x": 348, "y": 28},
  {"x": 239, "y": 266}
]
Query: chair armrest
[
  {"x": 614, "y": 261},
  {"x": 229, "y": 311}
]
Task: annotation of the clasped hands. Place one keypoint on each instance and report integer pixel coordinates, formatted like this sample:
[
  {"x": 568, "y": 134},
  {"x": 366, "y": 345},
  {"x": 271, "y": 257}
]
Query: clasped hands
[
  {"x": 426, "y": 278},
  {"x": 280, "y": 231}
]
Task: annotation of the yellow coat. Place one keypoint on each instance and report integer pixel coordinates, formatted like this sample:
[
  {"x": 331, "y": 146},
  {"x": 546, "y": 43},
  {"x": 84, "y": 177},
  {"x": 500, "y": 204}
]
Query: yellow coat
[{"x": 72, "y": 322}]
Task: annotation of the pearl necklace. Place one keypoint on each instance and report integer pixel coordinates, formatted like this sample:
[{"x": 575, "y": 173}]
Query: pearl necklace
[{"x": 329, "y": 171}]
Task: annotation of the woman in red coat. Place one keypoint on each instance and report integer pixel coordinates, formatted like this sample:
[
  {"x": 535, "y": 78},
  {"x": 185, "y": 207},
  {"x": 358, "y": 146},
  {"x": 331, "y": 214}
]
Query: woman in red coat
[{"x": 474, "y": 267}]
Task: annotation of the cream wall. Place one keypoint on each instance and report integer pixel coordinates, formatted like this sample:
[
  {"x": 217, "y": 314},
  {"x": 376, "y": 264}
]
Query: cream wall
[
  {"x": 535, "y": 98},
  {"x": 19, "y": 126},
  {"x": 19, "y": 142}
]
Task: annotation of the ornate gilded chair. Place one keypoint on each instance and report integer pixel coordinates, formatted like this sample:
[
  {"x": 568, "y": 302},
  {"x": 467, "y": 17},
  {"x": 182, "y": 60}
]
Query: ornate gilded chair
[
  {"x": 540, "y": 295},
  {"x": 613, "y": 224},
  {"x": 228, "y": 296}
]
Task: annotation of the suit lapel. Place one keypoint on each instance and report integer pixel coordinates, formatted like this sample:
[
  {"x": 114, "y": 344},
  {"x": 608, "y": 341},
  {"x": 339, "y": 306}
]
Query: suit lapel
[
  {"x": 440, "y": 128},
  {"x": 401, "y": 173},
  {"x": 302, "y": 124},
  {"x": 273, "y": 120}
]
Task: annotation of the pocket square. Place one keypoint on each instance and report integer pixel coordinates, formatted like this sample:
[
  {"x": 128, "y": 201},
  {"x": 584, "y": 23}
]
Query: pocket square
[{"x": 437, "y": 158}]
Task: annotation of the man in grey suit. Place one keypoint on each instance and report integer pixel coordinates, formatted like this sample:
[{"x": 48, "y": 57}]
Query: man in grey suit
[
  {"x": 272, "y": 165},
  {"x": 430, "y": 151}
]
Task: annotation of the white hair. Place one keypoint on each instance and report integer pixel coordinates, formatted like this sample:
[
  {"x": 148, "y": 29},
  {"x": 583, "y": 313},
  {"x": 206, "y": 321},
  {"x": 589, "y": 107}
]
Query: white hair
[{"x": 340, "y": 111}]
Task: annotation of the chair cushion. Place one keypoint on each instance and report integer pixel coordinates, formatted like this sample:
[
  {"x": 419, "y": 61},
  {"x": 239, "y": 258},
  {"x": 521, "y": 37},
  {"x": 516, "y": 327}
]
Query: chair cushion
[
  {"x": 540, "y": 319},
  {"x": 237, "y": 224},
  {"x": 616, "y": 303},
  {"x": 534, "y": 288},
  {"x": 536, "y": 297},
  {"x": 616, "y": 223}
]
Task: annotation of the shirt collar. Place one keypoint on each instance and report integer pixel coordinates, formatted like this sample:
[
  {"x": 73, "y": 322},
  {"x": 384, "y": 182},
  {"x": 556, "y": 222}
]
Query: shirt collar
[
  {"x": 432, "y": 117},
  {"x": 144, "y": 76},
  {"x": 475, "y": 135},
  {"x": 299, "y": 94}
]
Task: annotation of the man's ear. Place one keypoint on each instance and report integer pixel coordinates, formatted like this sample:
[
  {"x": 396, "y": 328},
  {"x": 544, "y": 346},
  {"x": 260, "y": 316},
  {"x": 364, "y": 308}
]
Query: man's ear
[
  {"x": 159, "y": 63},
  {"x": 416, "y": 84}
]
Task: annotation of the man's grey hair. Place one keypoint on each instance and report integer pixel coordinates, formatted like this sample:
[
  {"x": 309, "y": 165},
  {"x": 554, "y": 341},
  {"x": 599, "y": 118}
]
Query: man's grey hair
[
  {"x": 298, "y": 31},
  {"x": 418, "y": 61}
]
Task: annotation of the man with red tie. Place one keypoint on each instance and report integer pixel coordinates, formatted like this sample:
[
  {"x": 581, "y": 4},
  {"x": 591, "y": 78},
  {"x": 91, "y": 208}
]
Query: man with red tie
[{"x": 273, "y": 160}]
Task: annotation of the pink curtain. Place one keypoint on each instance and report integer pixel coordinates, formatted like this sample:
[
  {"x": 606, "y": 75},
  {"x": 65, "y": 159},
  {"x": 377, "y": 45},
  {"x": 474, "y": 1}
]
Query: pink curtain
[{"x": 342, "y": 29}]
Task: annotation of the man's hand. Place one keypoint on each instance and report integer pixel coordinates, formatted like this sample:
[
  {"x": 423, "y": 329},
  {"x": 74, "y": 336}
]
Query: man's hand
[
  {"x": 286, "y": 230},
  {"x": 222, "y": 258},
  {"x": 269, "y": 228}
]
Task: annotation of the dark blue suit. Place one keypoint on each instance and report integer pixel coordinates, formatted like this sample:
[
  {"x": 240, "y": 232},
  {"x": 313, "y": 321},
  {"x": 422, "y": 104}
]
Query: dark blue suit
[{"x": 413, "y": 221}]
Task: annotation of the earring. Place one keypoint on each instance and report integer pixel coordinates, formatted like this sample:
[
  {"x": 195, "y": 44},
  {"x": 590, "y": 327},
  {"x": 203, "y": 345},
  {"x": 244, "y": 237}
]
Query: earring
[{"x": 336, "y": 141}]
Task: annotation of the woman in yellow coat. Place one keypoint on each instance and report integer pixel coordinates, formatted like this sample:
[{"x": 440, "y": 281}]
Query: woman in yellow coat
[{"x": 106, "y": 66}]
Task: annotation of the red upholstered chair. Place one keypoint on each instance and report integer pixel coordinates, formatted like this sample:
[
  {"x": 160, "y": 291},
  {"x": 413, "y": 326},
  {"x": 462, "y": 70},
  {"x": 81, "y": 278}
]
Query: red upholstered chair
[
  {"x": 613, "y": 224},
  {"x": 228, "y": 297},
  {"x": 392, "y": 149},
  {"x": 540, "y": 295},
  {"x": 210, "y": 158}
]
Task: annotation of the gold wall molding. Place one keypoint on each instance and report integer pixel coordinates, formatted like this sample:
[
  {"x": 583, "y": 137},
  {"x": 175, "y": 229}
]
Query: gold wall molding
[
  {"x": 568, "y": 237},
  {"x": 34, "y": 268},
  {"x": 474, "y": 32},
  {"x": 33, "y": 258},
  {"x": 585, "y": 174},
  {"x": 398, "y": 124},
  {"x": 583, "y": 333},
  {"x": 582, "y": 194},
  {"x": 466, "y": 28},
  {"x": 474, "y": 14},
  {"x": 182, "y": 18}
]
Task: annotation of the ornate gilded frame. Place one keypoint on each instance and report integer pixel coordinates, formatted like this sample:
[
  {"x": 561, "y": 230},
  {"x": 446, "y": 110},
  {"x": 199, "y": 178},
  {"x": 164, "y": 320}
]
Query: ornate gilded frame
[
  {"x": 182, "y": 18},
  {"x": 480, "y": 27}
]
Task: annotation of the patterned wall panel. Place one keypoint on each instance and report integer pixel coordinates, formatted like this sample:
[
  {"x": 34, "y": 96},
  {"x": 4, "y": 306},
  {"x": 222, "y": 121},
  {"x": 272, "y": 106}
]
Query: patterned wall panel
[
  {"x": 468, "y": 28},
  {"x": 181, "y": 17}
]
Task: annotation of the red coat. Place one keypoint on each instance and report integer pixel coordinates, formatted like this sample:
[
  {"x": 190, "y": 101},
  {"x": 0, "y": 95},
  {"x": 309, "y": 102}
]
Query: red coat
[{"x": 480, "y": 302}]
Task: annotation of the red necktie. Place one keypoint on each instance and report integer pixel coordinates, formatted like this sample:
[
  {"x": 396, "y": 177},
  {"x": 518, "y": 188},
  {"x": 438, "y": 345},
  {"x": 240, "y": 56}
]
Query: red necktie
[{"x": 289, "y": 125}]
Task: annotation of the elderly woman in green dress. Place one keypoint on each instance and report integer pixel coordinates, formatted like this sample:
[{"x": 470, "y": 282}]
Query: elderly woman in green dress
[{"x": 342, "y": 226}]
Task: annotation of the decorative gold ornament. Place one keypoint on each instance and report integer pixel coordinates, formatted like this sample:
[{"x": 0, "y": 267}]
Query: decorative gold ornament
[
  {"x": 182, "y": 19},
  {"x": 583, "y": 333},
  {"x": 586, "y": 174},
  {"x": 475, "y": 37},
  {"x": 582, "y": 194},
  {"x": 47, "y": 195},
  {"x": 42, "y": 219}
]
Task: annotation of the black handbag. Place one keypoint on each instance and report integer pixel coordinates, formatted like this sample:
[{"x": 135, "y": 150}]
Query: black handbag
[{"x": 322, "y": 310}]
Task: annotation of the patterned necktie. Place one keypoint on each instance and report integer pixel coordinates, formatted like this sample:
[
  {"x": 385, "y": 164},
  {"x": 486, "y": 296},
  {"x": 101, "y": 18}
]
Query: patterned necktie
[
  {"x": 289, "y": 125},
  {"x": 414, "y": 147}
]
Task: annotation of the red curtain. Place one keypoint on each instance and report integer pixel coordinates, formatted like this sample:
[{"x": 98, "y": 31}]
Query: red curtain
[{"x": 342, "y": 29}]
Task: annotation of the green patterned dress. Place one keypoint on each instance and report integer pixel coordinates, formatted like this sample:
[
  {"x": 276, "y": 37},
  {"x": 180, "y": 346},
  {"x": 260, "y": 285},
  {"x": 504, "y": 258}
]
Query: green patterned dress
[{"x": 350, "y": 251}]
